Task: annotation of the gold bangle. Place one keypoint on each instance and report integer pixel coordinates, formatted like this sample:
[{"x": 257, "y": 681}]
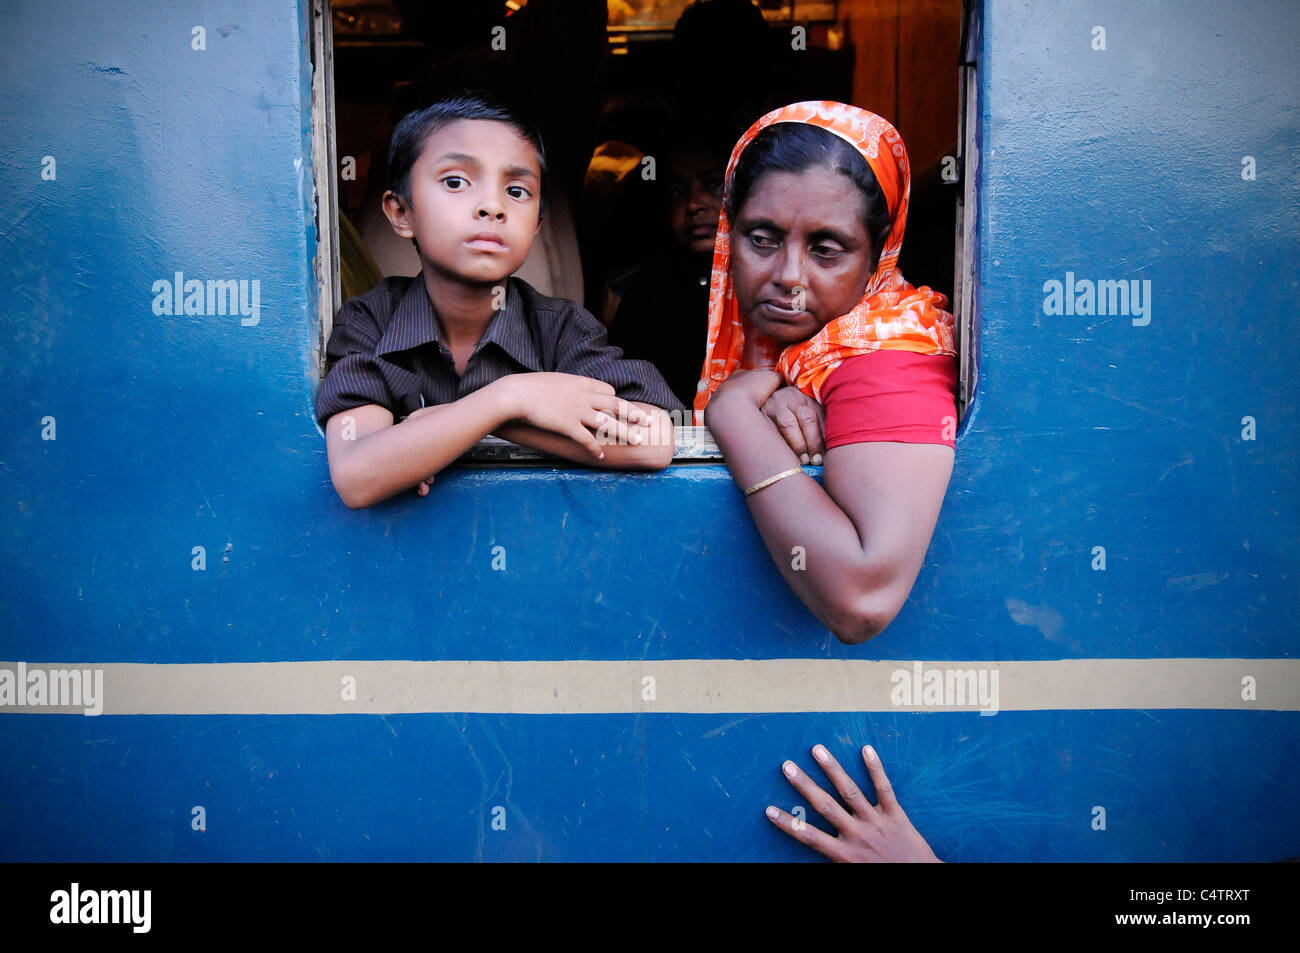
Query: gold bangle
[{"x": 772, "y": 479}]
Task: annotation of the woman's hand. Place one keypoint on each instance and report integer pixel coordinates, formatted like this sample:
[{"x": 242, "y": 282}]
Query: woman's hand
[
  {"x": 748, "y": 388},
  {"x": 870, "y": 833},
  {"x": 801, "y": 420}
]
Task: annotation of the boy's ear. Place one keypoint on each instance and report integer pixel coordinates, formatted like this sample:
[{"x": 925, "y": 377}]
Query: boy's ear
[{"x": 397, "y": 213}]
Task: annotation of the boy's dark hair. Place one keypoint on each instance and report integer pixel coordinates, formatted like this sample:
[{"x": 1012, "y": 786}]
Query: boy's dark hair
[
  {"x": 797, "y": 146},
  {"x": 416, "y": 127}
]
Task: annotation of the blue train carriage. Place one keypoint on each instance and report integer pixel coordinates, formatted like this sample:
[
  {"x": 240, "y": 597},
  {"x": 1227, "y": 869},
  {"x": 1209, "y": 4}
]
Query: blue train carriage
[{"x": 548, "y": 662}]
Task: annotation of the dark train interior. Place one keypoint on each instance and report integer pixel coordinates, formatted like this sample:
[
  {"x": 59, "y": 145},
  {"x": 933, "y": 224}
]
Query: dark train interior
[{"x": 612, "y": 82}]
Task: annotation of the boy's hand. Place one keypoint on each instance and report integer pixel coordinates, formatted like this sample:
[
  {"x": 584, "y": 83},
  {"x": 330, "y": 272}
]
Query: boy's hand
[
  {"x": 801, "y": 420},
  {"x": 870, "y": 833},
  {"x": 586, "y": 411},
  {"x": 634, "y": 427}
]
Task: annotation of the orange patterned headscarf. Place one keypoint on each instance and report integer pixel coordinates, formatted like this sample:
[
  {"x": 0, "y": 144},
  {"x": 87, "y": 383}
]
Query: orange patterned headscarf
[{"x": 891, "y": 315}]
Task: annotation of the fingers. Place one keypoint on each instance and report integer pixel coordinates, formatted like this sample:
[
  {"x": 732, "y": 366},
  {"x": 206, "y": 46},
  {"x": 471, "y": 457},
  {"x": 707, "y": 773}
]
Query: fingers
[
  {"x": 581, "y": 435},
  {"x": 821, "y": 802},
  {"x": 630, "y": 412},
  {"x": 612, "y": 430},
  {"x": 852, "y": 794},
  {"x": 788, "y": 424},
  {"x": 659, "y": 430},
  {"x": 619, "y": 422},
  {"x": 810, "y": 422},
  {"x": 627, "y": 412},
  {"x": 805, "y": 833},
  {"x": 799, "y": 419},
  {"x": 885, "y": 798}
]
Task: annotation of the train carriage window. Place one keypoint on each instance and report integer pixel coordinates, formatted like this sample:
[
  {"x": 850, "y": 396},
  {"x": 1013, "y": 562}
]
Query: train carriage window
[
  {"x": 322, "y": 158},
  {"x": 964, "y": 289},
  {"x": 617, "y": 69}
]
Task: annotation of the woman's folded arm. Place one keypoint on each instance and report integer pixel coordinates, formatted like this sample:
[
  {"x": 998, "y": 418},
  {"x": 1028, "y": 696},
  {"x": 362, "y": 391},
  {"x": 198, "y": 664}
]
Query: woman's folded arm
[{"x": 850, "y": 550}]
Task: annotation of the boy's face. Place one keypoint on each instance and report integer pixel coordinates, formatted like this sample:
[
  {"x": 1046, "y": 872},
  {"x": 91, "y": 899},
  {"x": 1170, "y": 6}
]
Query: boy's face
[
  {"x": 695, "y": 197},
  {"x": 474, "y": 201}
]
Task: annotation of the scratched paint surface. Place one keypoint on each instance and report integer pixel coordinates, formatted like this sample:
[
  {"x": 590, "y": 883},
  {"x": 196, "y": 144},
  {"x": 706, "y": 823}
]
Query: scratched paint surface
[
  {"x": 1019, "y": 786},
  {"x": 175, "y": 432}
]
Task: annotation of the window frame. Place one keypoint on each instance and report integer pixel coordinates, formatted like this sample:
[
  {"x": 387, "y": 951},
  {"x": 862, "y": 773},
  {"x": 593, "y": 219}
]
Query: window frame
[
  {"x": 965, "y": 288},
  {"x": 693, "y": 444},
  {"x": 324, "y": 174}
]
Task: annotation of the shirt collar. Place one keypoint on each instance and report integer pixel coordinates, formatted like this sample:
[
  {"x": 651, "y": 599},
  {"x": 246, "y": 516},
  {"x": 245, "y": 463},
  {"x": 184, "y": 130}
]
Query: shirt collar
[{"x": 414, "y": 323}]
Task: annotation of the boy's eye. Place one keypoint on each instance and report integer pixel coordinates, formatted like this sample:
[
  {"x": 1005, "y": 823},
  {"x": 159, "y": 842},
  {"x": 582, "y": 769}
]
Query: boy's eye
[
  {"x": 518, "y": 192},
  {"x": 454, "y": 182}
]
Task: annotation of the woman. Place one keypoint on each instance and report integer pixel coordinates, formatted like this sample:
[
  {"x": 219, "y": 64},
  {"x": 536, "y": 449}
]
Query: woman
[{"x": 805, "y": 292}]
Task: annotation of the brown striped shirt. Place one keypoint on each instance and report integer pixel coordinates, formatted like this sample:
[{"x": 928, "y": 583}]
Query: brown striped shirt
[{"x": 386, "y": 349}]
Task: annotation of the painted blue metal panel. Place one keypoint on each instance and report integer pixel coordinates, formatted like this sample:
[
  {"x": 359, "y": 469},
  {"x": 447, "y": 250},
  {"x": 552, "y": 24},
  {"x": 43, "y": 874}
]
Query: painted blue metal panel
[
  {"x": 1122, "y": 164},
  {"x": 177, "y": 431},
  {"x": 1180, "y": 785}
]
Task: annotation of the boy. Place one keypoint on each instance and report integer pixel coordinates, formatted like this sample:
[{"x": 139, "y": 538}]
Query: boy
[{"x": 420, "y": 369}]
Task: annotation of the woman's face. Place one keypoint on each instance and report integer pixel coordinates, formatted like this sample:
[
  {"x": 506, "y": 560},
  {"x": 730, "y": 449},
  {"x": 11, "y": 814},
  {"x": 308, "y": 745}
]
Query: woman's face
[{"x": 800, "y": 253}]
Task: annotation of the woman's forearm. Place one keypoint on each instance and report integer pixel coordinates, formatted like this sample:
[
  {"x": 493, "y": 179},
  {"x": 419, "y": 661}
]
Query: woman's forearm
[{"x": 812, "y": 541}]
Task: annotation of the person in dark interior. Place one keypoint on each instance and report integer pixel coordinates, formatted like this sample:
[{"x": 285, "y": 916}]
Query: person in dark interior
[{"x": 663, "y": 314}]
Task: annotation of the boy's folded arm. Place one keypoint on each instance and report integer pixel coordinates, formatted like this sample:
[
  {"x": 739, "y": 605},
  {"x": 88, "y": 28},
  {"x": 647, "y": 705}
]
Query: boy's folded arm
[{"x": 371, "y": 458}]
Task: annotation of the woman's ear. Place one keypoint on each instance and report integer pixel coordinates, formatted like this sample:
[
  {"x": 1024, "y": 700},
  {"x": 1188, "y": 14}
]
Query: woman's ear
[
  {"x": 398, "y": 214},
  {"x": 874, "y": 250}
]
